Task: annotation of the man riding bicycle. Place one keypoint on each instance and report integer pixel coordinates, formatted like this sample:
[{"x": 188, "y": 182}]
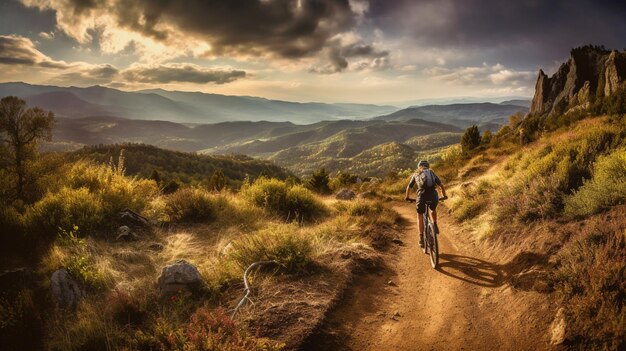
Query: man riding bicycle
[{"x": 425, "y": 180}]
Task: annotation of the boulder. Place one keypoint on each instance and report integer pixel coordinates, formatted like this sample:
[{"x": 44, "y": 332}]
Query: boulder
[
  {"x": 132, "y": 218},
  {"x": 181, "y": 275},
  {"x": 156, "y": 247},
  {"x": 65, "y": 290},
  {"x": 345, "y": 194},
  {"x": 125, "y": 234}
]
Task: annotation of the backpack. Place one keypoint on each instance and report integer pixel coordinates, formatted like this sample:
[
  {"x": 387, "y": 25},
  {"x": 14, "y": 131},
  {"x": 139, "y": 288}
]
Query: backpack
[{"x": 426, "y": 179}]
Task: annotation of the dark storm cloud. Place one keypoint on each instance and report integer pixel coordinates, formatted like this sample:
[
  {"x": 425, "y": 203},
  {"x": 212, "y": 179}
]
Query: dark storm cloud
[
  {"x": 188, "y": 73},
  {"x": 542, "y": 30},
  {"x": 337, "y": 56},
  {"x": 286, "y": 28},
  {"x": 17, "y": 50}
]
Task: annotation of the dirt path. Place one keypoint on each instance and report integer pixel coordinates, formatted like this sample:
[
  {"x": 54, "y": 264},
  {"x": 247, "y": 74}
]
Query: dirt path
[{"x": 464, "y": 305}]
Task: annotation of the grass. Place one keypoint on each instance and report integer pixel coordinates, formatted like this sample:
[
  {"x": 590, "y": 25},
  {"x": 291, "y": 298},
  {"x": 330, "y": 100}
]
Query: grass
[
  {"x": 606, "y": 188},
  {"x": 591, "y": 280}
]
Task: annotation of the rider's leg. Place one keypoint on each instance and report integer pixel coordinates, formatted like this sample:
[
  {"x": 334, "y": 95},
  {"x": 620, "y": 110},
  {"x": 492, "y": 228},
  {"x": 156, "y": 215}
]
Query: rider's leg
[{"x": 420, "y": 224}]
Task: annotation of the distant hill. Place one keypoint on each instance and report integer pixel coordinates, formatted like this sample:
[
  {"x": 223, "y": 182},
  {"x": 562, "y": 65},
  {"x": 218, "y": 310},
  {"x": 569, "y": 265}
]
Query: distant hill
[
  {"x": 460, "y": 115},
  {"x": 516, "y": 102},
  {"x": 297, "y": 147},
  {"x": 142, "y": 160},
  {"x": 178, "y": 106}
]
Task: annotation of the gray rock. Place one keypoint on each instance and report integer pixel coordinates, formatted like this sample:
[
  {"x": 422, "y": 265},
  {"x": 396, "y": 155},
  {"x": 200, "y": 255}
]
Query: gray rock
[
  {"x": 125, "y": 234},
  {"x": 65, "y": 290},
  {"x": 156, "y": 247},
  {"x": 132, "y": 218},
  {"x": 181, "y": 275},
  {"x": 345, "y": 194}
]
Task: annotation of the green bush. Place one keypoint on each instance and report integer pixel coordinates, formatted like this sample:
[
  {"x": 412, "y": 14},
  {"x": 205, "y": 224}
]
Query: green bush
[
  {"x": 606, "y": 188},
  {"x": 282, "y": 243},
  {"x": 190, "y": 204},
  {"x": 291, "y": 202},
  {"x": 116, "y": 191},
  {"x": 540, "y": 180},
  {"x": 64, "y": 209}
]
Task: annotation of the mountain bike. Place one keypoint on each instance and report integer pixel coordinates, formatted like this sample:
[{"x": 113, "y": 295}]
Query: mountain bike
[{"x": 431, "y": 244}]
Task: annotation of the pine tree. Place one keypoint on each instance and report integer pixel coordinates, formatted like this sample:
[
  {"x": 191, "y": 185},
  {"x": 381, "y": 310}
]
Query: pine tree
[{"x": 470, "y": 139}]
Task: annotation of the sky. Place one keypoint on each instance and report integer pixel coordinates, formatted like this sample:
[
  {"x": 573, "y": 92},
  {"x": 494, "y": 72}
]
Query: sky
[{"x": 365, "y": 51}]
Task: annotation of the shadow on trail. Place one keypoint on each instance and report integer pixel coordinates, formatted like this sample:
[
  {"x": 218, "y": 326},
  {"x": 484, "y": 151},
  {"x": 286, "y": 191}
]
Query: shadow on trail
[{"x": 472, "y": 270}]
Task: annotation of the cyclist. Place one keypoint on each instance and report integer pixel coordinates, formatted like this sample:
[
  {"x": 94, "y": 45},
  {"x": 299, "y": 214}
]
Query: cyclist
[{"x": 425, "y": 180}]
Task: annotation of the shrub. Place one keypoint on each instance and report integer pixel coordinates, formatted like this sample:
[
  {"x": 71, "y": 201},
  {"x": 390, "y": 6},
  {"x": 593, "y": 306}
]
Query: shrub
[
  {"x": 470, "y": 139},
  {"x": 292, "y": 202},
  {"x": 190, "y": 204},
  {"x": 282, "y": 243},
  {"x": 65, "y": 209},
  {"x": 360, "y": 208},
  {"x": 80, "y": 263},
  {"x": 607, "y": 187},
  {"x": 592, "y": 281},
  {"x": 206, "y": 330},
  {"x": 116, "y": 191}
]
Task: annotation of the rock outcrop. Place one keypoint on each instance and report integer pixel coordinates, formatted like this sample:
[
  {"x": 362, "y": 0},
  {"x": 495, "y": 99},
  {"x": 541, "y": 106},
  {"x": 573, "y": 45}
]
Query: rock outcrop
[
  {"x": 181, "y": 275},
  {"x": 65, "y": 290},
  {"x": 345, "y": 194},
  {"x": 591, "y": 72}
]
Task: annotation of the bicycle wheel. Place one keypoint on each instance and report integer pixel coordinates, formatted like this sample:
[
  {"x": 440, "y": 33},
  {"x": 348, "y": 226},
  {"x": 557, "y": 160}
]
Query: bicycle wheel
[
  {"x": 434, "y": 247},
  {"x": 425, "y": 247}
]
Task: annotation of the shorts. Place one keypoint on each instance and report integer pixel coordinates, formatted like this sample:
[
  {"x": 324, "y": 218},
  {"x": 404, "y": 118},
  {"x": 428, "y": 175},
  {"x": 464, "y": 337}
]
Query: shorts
[{"x": 421, "y": 204}]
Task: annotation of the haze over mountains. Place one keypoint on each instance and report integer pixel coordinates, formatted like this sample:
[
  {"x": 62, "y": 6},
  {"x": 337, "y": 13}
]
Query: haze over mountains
[
  {"x": 186, "y": 107},
  {"x": 300, "y": 136}
]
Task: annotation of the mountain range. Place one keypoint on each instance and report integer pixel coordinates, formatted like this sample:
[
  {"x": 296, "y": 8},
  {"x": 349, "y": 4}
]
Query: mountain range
[
  {"x": 184, "y": 107},
  {"x": 299, "y": 136}
]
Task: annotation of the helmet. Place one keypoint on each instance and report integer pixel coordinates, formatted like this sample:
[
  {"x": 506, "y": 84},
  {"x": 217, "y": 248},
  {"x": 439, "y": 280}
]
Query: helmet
[{"x": 423, "y": 163}]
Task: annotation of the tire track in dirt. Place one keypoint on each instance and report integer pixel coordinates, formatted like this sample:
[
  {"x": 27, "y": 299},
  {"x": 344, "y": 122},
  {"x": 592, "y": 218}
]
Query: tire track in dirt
[{"x": 464, "y": 305}]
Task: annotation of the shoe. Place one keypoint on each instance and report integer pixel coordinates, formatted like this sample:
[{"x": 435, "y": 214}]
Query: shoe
[{"x": 422, "y": 240}]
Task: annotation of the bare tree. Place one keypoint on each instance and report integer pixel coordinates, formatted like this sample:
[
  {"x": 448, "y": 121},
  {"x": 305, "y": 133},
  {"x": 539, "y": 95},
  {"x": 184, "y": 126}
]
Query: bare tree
[{"x": 20, "y": 131}]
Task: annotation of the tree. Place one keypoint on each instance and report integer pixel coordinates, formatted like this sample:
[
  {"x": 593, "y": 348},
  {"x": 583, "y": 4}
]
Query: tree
[
  {"x": 319, "y": 181},
  {"x": 21, "y": 130},
  {"x": 218, "y": 181},
  {"x": 470, "y": 139},
  {"x": 155, "y": 176},
  {"x": 486, "y": 139}
]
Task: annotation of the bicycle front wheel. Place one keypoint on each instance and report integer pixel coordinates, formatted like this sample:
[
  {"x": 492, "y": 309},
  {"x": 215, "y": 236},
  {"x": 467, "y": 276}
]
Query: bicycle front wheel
[{"x": 433, "y": 244}]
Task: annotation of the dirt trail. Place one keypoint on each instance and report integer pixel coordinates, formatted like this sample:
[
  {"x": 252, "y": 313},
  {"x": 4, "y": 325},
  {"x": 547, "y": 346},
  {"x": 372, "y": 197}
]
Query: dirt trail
[{"x": 465, "y": 305}]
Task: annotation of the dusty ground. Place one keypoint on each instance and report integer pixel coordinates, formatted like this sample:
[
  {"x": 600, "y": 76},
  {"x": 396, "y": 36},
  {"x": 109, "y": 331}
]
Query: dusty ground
[{"x": 464, "y": 305}]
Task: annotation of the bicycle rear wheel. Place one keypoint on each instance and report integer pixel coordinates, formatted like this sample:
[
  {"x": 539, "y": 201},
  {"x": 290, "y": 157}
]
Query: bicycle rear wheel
[
  {"x": 425, "y": 247},
  {"x": 433, "y": 244}
]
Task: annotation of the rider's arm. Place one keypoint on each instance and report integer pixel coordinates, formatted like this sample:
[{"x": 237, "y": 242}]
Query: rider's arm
[
  {"x": 443, "y": 189},
  {"x": 408, "y": 188}
]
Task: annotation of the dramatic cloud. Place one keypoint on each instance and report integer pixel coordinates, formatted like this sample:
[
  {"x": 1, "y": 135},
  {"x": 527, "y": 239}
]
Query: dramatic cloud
[
  {"x": 83, "y": 74},
  {"x": 284, "y": 28},
  {"x": 184, "y": 72},
  {"x": 350, "y": 46},
  {"x": 17, "y": 50},
  {"x": 512, "y": 30}
]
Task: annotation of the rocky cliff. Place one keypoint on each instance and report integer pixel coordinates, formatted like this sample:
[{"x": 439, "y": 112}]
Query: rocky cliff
[{"x": 590, "y": 72}]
